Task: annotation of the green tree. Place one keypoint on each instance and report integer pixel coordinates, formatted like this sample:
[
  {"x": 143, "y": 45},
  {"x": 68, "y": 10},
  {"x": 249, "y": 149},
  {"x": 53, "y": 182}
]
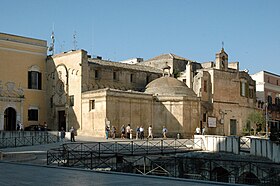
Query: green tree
[{"x": 256, "y": 120}]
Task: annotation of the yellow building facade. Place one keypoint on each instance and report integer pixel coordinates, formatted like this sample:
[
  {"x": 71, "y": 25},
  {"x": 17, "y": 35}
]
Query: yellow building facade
[{"x": 22, "y": 81}]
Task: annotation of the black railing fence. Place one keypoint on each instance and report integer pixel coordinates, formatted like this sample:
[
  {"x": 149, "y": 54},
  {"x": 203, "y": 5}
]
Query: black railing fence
[
  {"x": 163, "y": 158},
  {"x": 36, "y": 138},
  {"x": 72, "y": 154}
]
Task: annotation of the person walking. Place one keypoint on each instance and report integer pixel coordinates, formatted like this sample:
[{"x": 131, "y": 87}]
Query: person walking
[
  {"x": 141, "y": 132},
  {"x": 197, "y": 130},
  {"x": 107, "y": 130},
  {"x": 45, "y": 126},
  {"x": 62, "y": 134},
  {"x": 128, "y": 131},
  {"x": 122, "y": 132},
  {"x": 203, "y": 130},
  {"x": 131, "y": 133},
  {"x": 114, "y": 130},
  {"x": 72, "y": 132},
  {"x": 164, "y": 131},
  {"x": 150, "y": 132},
  {"x": 137, "y": 135}
]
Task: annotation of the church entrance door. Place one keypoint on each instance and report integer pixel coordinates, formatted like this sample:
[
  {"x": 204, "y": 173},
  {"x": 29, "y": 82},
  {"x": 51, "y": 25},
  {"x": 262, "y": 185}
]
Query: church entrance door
[
  {"x": 10, "y": 119},
  {"x": 61, "y": 120}
]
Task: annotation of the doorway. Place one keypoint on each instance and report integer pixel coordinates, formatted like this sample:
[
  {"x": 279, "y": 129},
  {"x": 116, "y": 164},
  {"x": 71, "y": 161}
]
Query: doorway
[
  {"x": 61, "y": 120},
  {"x": 233, "y": 127},
  {"x": 10, "y": 115}
]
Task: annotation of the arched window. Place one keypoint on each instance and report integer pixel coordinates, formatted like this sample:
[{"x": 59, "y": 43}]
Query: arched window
[
  {"x": 277, "y": 101},
  {"x": 269, "y": 99},
  {"x": 259, "y": 104},
  {"x": 34, "y": 78}
]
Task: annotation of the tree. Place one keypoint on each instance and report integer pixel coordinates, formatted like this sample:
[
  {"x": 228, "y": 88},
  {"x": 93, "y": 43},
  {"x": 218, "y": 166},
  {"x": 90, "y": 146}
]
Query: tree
[{"x": 256, "y": 120}]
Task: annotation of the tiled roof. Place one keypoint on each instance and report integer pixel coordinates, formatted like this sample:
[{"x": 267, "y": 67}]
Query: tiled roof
[
  {"x": 124, "y": 65},
  {"x": 167, "y": 56}
]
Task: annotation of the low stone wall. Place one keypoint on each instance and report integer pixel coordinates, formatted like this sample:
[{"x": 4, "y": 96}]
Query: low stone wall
[
  {"x": 265, "y": 148},
  {"x": 220, "y": 143}
]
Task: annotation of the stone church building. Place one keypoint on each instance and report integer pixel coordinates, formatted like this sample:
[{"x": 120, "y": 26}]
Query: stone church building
[
  {"x": 102, "y": 92},
  {"x": 75, "y": 89}
]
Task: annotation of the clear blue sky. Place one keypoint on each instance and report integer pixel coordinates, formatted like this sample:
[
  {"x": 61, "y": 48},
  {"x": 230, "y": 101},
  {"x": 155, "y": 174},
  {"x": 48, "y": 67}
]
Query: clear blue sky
[{"x": 122, "y": 29}]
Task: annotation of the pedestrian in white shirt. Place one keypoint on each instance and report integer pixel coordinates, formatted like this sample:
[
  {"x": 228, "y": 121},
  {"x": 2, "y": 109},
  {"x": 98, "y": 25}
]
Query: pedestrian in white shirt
[{"x": 150, "y": 132}]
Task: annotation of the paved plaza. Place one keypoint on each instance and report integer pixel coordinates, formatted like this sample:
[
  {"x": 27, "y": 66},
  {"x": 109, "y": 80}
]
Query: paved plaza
[
  {"x": 27, "y": 166},
  {"x": 23, "y": 174}
]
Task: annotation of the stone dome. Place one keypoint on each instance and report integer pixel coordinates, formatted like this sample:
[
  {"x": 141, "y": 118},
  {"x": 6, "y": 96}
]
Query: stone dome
[{"x": 169, "y": 86}]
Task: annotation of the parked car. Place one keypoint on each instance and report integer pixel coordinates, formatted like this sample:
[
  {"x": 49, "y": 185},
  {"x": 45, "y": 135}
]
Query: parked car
[{"x": 35, "y": 128}]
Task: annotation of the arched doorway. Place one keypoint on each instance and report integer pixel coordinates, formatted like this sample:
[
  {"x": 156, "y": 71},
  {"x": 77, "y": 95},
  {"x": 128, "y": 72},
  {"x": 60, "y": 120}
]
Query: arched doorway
[{"x": 10, "y": 116}]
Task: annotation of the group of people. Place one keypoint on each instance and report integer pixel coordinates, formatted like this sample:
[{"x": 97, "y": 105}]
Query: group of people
[
  {"x": 126, "y": 132},
  {"x": 72, "y": 134},
  {"x": 198, "y": 131}
]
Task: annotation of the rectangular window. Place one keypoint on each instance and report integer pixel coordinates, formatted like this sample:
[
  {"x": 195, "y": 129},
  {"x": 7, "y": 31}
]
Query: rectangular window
[
  {"x": 32, "y": 115},
  {"x": 243, "y": 89},
  {"x": 269, "y": 99},
  {"x": 132, "y": 78},
  {"x": 96, "y": 74},
  {"x": 91, "y": 104},
  {"x": 205, "y": 86},
  {"x": 251, "y": 93},
  {"x": 51, "y": 102},
  {"x": 204, "y": 117},
  {"x": 115, "y": 76},
  {"x": 71, "y": 101},
  {"x": 34, "y": 80}
]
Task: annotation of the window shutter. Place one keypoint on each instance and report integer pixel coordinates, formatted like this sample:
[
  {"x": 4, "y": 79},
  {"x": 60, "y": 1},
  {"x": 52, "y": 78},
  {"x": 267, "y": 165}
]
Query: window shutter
[
  {"x": 39, "y": 81},
  {"x": 240, "y": 88},
  {"x": 247, "y": 90},
  {"x": 29, "y": 80}
]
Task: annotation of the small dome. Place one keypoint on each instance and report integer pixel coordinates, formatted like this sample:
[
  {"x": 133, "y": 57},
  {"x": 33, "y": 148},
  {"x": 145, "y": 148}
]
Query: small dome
[{"x": 169, "y": 86}]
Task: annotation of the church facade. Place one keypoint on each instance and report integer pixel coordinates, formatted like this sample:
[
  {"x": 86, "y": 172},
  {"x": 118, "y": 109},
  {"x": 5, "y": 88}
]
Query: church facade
[{"x": 75, "y": 89}]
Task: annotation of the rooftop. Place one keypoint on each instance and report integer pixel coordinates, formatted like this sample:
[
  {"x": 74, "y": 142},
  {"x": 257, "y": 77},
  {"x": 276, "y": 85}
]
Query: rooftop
[
  {"x": 167, "y": 56},
  {"x": 124, "y": 65}
]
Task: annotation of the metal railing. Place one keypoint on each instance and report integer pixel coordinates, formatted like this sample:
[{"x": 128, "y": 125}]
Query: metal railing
[
  {"x": 40, "y": 138},
  {"x": 160, "y": 157},
  {"x": 230, "y": 170},
  {"x": 245, "y": 144},
  {"x": 90, "y": 154}
]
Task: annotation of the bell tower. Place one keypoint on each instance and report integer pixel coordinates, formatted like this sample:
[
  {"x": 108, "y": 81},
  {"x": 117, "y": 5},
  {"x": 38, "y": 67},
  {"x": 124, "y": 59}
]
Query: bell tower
[{"x": 222, "y": 60}]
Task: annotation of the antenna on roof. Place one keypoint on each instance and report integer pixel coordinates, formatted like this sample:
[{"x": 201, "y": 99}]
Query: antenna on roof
[
  {"x": 51, "y": 48},
  {"x": 75, "y": 40},
  {"x": 222, "y": 45}
]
